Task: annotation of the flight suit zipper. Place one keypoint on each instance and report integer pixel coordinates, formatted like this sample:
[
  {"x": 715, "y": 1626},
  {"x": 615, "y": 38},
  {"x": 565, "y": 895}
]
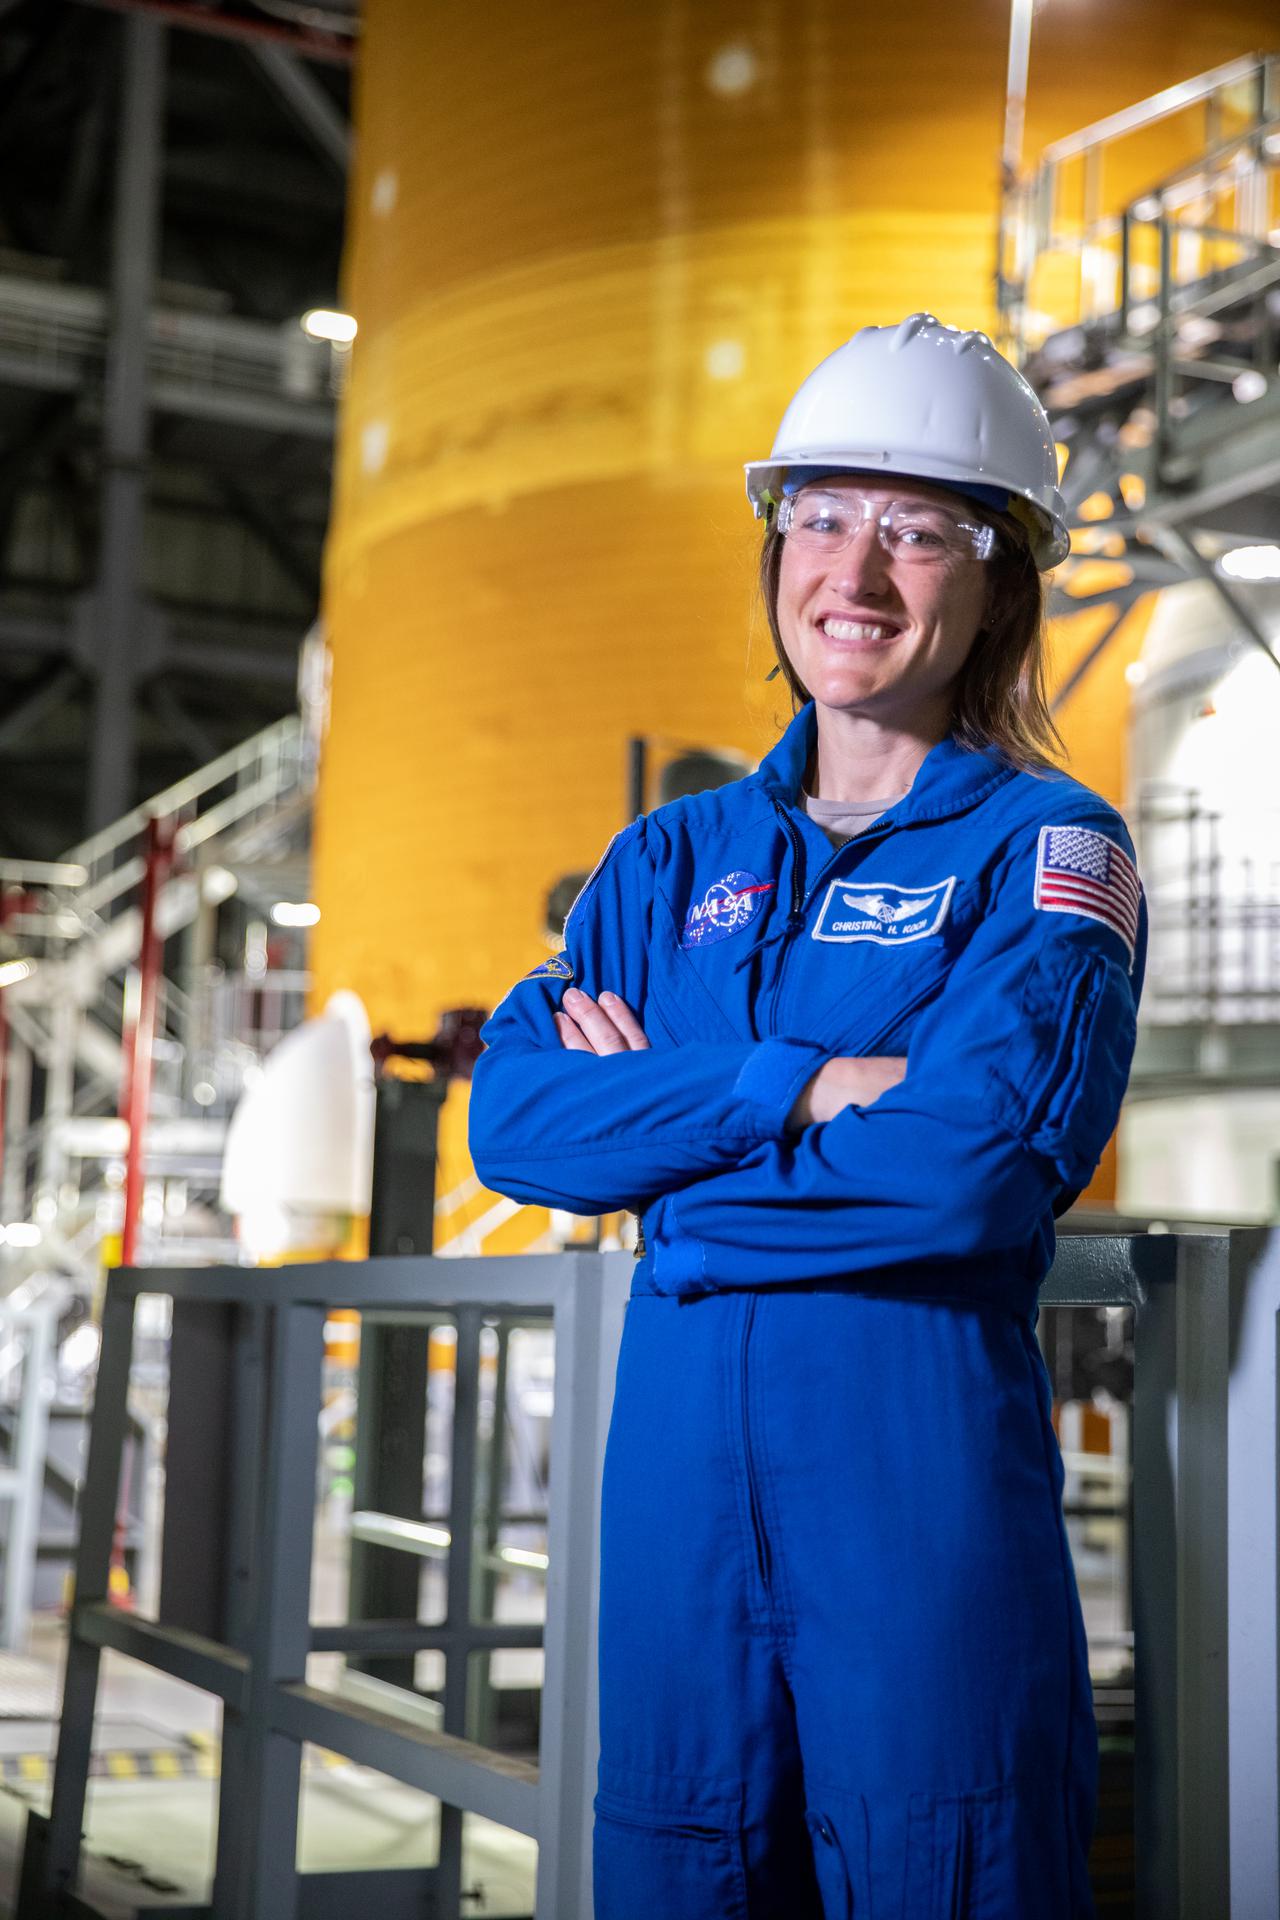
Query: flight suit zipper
[{"x": 803, "y": 895}]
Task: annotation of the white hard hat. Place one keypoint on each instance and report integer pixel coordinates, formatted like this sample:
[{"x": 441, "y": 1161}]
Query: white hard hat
[{"x": 931, "y": 403}]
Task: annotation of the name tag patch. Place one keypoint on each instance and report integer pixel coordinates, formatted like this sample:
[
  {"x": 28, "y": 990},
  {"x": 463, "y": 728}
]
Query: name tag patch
[{"x": 883, "y": 913}]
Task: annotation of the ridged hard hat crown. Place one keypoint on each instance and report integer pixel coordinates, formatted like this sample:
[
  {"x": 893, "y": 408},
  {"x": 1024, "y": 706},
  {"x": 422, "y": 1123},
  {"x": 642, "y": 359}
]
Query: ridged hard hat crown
[{"x": 928, "y": 401}]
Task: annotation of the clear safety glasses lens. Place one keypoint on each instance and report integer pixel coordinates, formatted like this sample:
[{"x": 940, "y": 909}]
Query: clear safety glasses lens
[{"x": 917, "y": 531}]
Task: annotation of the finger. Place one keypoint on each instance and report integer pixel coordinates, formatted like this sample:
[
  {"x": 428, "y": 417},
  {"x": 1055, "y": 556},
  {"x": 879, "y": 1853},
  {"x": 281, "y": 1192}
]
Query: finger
[
  {"x": 571, "y": 1035},
  {"x": 625, "y": 1021},
  {"x": 594, "y": 1022}
]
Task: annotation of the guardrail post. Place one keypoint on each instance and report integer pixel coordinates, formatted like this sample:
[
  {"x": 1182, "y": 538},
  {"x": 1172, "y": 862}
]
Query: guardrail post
[
  {"x": 1253, "y": 1571},
  {"x": 588, "y": 1324},
  {"x": 93, "y": 1562},
  {"x": 260, "y": 1766}
]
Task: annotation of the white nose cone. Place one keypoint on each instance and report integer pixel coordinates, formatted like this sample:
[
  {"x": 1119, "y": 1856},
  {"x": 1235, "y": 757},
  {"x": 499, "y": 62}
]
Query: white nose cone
[{"x": 300, "y": 1142}]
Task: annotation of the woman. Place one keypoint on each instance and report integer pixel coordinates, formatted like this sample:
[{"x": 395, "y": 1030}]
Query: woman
[{"x": 847, "y": 1034}]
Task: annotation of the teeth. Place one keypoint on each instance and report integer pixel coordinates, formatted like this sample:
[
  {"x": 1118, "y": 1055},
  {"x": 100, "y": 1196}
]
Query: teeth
[{"x": 855, "y": 630}]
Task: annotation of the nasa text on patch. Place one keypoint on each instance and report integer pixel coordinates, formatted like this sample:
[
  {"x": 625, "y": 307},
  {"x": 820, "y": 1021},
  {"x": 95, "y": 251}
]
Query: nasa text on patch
[
  {"x": 727, "y": 906},
  {"x": 1080, "y": 871},
  {"x": 880, "y": 911}
]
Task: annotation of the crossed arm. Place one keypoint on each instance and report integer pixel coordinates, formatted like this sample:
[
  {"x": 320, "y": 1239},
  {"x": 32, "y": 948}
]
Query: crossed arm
[{"x": 607, "y": 1025}]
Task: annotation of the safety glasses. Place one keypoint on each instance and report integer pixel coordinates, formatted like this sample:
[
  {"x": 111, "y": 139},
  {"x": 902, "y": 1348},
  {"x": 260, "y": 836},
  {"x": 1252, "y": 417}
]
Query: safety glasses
[{"x": 920, "y": 533}]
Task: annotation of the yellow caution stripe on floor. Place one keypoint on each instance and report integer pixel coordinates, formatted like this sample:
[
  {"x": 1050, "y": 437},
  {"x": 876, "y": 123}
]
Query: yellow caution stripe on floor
[{"x": 198, "y": 1760}]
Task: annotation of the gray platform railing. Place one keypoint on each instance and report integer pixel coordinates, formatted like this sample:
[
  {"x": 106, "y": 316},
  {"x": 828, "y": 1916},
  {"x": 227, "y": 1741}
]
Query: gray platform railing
[{"x": 1207, "y": 1815}]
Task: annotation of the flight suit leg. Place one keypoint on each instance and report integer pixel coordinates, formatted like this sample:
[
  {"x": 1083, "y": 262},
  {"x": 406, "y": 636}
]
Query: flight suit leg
[
  {"x": 911, "y": 1489},
  {"x": 700, "y": 1810}
]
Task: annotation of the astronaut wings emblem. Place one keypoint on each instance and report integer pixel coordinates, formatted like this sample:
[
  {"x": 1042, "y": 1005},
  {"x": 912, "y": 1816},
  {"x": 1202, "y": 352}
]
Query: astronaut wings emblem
[
  {"x": 885, "y": 911},
  {"x": 887, "y": 914}
]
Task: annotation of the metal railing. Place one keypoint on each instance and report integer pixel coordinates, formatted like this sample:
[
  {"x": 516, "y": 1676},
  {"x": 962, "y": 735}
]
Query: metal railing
[
  {"x": 1080, "y": 245},
  {"x": 1207, "y": 1683},
  {"x": 56, "y": 335},
  {"x": 256, "y": 1664},
  {"x": 82, "y": 930},
  {"x": 1213, "y": 895}
]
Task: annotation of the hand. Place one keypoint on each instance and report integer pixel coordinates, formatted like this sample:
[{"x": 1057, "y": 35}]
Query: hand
[
  {"x": 599, "y": 1026},
  {"x": 846, "y": 1081}
]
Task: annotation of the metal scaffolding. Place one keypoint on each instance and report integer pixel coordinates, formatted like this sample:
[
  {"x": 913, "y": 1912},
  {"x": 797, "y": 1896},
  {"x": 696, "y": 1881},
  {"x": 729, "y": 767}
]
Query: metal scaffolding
[{"x": 1205, "y": 1485}]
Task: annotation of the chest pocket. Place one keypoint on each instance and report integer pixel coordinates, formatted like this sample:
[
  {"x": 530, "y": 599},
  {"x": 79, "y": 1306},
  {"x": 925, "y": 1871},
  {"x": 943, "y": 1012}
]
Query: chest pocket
[
  {"x": 862, "y": 994},
  {"x": 688, "y": 1006}
]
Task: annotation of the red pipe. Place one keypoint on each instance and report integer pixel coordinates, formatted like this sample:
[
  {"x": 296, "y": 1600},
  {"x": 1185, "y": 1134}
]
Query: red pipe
[
  {"x": 140, "y": 1038},
  {"x": 307, "y": 43}
]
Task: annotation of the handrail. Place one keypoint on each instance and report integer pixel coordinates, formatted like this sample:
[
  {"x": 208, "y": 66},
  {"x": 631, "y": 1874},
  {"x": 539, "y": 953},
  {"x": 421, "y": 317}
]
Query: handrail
[
  {"x": 183, "y": 792},
  {"x": 1158, "y": 106}
]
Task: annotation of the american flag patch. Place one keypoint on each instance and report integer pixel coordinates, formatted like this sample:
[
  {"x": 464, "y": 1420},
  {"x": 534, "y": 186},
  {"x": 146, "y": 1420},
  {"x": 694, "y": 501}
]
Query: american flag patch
[{"x": 1080, "y": 871}]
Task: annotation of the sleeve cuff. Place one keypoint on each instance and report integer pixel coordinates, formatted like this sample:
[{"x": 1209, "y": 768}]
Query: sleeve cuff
[{"x": 774, "y": 1074}]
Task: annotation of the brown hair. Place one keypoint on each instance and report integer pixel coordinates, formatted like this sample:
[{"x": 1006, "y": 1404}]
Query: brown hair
[{"x": 1001, "y": 698}]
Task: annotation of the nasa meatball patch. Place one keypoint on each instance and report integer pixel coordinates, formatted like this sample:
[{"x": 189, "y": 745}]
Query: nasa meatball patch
[
  {"x": 727, "y": 906},
  {"x": 881, "y": 912}
]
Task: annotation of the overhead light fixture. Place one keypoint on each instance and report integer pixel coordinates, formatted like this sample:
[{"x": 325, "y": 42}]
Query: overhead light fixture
[
  {"x": 323, "y": 323},
  {"x": 295, "y": 913},
  {"x": 1260, "y": 562},
  {"x": 14, "y": 970}
]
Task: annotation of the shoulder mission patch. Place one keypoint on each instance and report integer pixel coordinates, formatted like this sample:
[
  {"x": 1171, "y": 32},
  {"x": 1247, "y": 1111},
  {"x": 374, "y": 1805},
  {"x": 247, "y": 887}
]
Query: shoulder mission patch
[{"x": 558, "y": 967}]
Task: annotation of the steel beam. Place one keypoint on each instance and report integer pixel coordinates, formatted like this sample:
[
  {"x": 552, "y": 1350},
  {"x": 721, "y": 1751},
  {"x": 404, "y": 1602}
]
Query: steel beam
[
  {"x": 189, "y": 1657},
  {"x": 42, "y": 695},
  {"x": 307, "y": 101},
  {"x": 118, "y": 608},
  {"x": 493, "y": 1784},
  {"x": 1179, "y": 545},
  {"x": 1091, "y": 657}
]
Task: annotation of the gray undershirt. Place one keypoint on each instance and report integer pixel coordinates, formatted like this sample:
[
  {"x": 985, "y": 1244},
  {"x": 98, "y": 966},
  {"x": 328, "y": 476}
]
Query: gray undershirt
[{"x": 843, "y": 820}]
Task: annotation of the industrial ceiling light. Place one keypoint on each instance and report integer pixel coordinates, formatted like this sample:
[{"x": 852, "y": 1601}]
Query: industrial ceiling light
[
  {"x": 14, "y": 970},
  {"x": 1260, "y": 562},
  {"x": 295, "y": 913},
  {"x": 323, "y": 323}
]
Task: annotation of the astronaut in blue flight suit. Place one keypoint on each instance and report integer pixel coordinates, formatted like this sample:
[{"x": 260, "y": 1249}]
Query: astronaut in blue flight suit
[{"x": 847, "y": 1080}]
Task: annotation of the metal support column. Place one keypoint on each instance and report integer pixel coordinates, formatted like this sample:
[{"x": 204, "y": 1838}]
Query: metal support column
[
  {"x": 391, "y": 1389},
  {"x": 588, "y": 1328},
  {"x": 460, "y": 1604},
  {"x": 50, "y": 1873},
  {"x": 117, "y": 602},
  {"x": 22, "y": 1481},
  {"x": 261, "y": 1883}
]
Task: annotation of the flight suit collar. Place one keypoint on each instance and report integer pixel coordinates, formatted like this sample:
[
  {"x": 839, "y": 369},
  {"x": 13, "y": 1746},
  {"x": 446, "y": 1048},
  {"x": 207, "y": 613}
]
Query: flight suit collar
[{"x": 952, "y": 778}]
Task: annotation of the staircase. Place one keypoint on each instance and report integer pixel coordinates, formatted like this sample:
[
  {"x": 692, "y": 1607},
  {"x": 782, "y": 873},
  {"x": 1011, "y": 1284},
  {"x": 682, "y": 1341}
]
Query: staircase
[
  {"x": 76, "y": 929},
  {"x": 1145, "y": 309}
]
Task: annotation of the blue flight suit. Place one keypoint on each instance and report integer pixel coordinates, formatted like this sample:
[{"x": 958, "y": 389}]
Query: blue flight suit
[{"x": 843, "y": 1664}]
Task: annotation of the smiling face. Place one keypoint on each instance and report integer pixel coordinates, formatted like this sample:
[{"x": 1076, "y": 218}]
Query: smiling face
[{"x": 875, "y": 635}]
